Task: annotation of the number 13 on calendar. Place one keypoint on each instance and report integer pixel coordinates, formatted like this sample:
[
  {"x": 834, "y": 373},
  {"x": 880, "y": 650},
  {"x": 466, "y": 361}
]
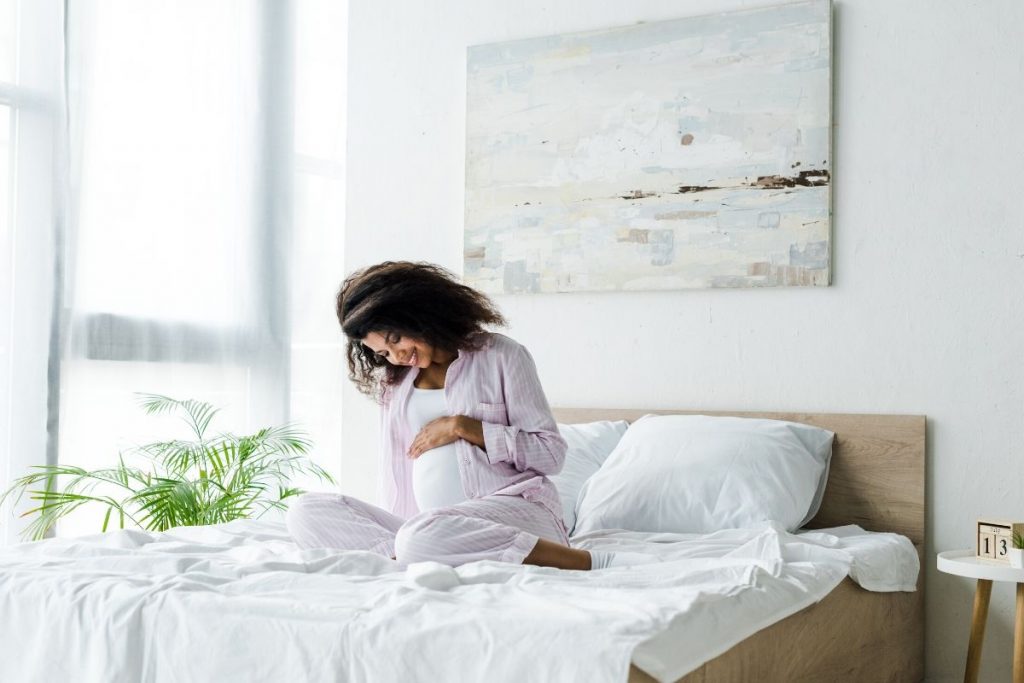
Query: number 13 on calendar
[{"x": 995, "y": 538}]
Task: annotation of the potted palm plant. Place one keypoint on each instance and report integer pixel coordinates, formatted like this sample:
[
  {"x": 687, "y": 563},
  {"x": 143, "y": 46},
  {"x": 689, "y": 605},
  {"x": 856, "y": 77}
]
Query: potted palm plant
[
  {"x": 1016, "y": 553},
  {"x": 207, "y": 479}
]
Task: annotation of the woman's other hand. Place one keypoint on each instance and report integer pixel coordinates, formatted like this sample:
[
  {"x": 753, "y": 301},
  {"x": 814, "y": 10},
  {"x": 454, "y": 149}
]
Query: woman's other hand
[{"x": 445, "y": 430}]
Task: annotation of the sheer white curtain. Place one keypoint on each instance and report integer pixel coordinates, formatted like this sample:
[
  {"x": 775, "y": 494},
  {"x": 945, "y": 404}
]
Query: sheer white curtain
[
  {"x": 32, "y": 178},
  {"x": 204, "y": 232}
]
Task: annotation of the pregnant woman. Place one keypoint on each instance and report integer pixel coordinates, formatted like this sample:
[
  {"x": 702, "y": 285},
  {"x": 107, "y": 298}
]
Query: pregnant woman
[{"x": 467, "y": 433}]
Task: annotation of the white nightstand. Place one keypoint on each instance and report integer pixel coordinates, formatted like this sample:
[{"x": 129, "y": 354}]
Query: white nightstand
[{"x": 964, "y": 563}]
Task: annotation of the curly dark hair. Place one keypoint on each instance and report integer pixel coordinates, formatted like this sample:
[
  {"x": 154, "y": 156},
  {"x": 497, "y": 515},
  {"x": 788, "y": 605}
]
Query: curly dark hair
[{"x": 419, "y": 300}]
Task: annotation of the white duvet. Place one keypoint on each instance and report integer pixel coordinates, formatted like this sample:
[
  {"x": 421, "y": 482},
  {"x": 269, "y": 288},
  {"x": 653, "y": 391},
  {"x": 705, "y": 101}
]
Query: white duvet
[{"x": 241, "y": 602}]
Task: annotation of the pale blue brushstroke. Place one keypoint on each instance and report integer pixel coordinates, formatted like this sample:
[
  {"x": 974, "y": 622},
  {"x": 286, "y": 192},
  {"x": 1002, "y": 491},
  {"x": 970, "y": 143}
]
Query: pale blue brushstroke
[
  {"x": 807, "y": 63},
  {"x": 739, "y": 26},
  {"x": 662, "y": 247},
  {"x": 811, "y": 255}
]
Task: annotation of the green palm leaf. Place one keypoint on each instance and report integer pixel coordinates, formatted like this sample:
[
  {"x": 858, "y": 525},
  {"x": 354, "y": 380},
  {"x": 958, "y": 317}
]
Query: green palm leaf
[
  {"x": 176, "y": 482},
  {"x": 198, "y": 414}
]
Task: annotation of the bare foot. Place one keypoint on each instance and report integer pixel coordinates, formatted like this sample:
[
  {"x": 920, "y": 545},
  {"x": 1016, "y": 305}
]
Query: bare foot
[{"x": 551, "y": 554}]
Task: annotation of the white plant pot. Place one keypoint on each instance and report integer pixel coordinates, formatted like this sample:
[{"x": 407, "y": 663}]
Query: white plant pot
[{"x": 1016, "y": 556}]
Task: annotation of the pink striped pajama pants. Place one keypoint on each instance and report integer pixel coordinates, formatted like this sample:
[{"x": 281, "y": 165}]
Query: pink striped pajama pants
[{"x": 502, "y": 528}]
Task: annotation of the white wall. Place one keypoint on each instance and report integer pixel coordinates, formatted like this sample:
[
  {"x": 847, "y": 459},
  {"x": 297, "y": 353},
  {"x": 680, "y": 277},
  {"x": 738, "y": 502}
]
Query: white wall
[{"x": 924, "y": 316}]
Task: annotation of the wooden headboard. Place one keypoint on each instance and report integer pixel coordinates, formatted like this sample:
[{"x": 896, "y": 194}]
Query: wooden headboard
[{"x": 876, "y": 477}]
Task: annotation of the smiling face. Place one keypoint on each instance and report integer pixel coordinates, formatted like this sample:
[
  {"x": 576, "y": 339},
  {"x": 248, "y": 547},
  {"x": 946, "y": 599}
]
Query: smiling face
[{"x": 399, "y": 349}]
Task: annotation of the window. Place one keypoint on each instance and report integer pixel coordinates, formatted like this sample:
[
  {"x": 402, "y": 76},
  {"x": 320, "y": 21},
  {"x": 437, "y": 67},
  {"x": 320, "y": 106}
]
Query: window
[
  {"x": 6, "y": 176},
  {"x": 29, "y": 124},
  {"x": 207, "y": 220},
  {"x": 185, "y": 222}
]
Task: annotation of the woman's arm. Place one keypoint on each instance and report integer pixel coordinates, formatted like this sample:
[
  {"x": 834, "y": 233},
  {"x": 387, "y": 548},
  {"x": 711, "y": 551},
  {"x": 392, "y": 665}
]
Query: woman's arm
[
  {"x": 470, "y": 429},
  {"x": 531, "y": 439},
  {"x": 531, "y": 442},
  {"x": 444, "y": 430}
]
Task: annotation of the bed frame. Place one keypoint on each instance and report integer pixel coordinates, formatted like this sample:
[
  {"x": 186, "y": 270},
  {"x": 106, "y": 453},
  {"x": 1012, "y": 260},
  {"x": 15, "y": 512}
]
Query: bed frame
[{"x": 876, "y": 480}]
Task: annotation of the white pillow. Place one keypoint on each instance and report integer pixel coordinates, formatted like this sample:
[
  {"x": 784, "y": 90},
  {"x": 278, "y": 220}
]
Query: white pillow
[
  {"x": 699, "y": 474},
  {"x": 590, "y": 444}
]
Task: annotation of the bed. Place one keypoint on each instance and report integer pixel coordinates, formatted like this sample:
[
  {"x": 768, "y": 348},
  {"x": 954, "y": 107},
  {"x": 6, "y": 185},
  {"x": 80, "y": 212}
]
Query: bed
[
  {"x": 240, "y": 601},
  {"x": 877, "y": 481}
]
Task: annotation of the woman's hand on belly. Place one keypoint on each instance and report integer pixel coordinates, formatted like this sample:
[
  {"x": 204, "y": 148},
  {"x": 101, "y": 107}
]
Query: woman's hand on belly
[{"x": 445, "y": 430}]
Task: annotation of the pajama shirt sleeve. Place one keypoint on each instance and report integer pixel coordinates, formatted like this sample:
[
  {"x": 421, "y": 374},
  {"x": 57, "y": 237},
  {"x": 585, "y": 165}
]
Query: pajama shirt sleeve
[{"x": 531, "y": 440}]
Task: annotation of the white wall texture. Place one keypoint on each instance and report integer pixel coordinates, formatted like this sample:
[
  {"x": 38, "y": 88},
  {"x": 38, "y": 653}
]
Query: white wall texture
[{"x": 925, "y": 313}]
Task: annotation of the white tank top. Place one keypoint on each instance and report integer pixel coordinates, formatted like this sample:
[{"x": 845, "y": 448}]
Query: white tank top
[{"x": 435, "y": 474}]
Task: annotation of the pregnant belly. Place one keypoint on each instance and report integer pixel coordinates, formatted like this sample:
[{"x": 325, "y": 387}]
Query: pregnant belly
[{"x": 435, "y": 478}]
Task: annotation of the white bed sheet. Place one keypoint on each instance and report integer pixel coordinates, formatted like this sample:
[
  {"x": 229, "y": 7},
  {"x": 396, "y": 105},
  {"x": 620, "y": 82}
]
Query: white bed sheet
[{"x": 240, "y": 601}]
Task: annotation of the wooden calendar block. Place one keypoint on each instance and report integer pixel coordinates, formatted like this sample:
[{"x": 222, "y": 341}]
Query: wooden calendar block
[
  {"x": 995, "y": 538},
  {"x": 1003, "y": 544},
  {"x": 986, "y": 544}
]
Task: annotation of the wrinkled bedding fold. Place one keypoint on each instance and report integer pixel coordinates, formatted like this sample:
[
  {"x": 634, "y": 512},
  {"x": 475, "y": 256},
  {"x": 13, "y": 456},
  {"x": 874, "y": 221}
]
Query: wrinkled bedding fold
[{"x": 241, "y": 600}]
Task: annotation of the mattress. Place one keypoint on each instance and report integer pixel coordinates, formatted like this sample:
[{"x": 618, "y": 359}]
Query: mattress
[{"x": 240, "y": 601}]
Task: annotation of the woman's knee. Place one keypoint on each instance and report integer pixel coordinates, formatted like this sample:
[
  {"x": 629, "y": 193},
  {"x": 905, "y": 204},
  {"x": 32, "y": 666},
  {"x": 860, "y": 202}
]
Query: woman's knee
[
  {"x": 310, "y": 507},
  {"x": 419, "y": 538}
]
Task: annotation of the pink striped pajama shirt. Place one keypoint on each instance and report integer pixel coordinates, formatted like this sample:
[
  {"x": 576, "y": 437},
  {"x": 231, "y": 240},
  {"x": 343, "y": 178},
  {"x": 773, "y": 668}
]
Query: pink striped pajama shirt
[{"x": 511, "y": 501}]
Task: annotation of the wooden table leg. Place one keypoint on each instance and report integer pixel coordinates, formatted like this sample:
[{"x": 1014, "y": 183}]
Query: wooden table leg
[
  {"x": 1018, "y": 638},
  {"x": 981, "y": 596}
]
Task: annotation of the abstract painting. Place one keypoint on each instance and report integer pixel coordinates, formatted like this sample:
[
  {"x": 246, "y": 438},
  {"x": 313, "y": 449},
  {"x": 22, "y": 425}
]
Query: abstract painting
[{"x": 689, "y": 153}]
